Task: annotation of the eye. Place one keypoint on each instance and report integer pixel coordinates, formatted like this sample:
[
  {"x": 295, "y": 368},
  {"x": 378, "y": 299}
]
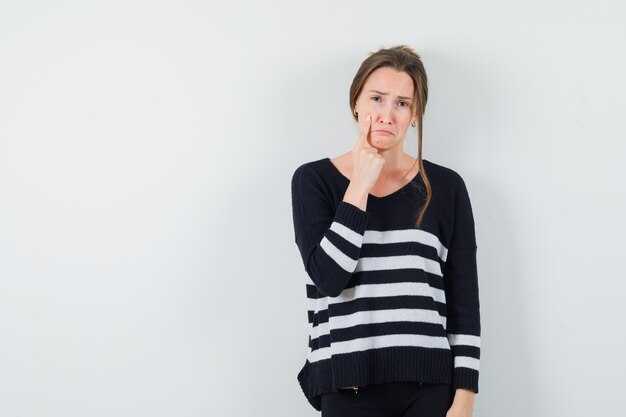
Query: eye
[
  {"x": 375, "y": 98},
  {"x": 404, "y": 104}
]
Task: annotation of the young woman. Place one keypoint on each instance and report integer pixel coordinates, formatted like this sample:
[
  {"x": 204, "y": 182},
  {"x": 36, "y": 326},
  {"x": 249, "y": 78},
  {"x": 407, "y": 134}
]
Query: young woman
[{"x": 389, "y": 249}]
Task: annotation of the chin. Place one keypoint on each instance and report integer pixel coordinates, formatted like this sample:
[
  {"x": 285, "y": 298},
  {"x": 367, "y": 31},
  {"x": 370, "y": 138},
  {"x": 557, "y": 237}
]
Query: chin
[{"x": 382, "y": 144}]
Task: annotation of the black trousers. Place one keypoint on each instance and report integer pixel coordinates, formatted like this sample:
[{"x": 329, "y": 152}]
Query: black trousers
[{"x": 394, "y": 399}]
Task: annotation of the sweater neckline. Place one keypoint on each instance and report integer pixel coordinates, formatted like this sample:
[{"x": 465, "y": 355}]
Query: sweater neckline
[{"x": 392, "y": 194}]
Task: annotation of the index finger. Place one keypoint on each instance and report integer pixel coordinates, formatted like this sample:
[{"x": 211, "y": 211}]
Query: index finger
[{"x": 364, "y": 130}]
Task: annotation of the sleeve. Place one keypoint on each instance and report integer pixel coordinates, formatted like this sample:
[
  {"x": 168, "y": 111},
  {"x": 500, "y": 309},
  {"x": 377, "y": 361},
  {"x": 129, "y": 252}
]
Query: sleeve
[
  {"x": 460, "y": 278},
  {"x": 329, "y": 240}
]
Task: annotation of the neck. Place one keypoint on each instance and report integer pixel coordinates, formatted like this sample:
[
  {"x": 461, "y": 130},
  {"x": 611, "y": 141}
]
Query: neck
[{"x": 394, "y": 162}]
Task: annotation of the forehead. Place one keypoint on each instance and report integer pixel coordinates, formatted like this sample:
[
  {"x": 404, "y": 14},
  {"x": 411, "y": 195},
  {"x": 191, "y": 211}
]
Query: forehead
[{"x": 388, "y": 80}]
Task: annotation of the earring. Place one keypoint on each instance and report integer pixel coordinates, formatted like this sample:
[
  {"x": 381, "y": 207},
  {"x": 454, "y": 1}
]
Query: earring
[
  {"x": 413, "y": 124},
  {"x": 356, "y": 113}
]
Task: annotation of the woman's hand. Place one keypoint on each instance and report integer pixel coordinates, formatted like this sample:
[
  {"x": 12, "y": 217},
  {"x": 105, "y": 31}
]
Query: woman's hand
[
  {"x": 463, "y": 404},
  {"x": 366, "y": 161},
  {"x": 459, "y": 411}
]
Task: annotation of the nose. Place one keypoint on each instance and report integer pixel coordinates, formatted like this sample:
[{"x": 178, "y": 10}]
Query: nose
[{"x": 385, "y": 115}]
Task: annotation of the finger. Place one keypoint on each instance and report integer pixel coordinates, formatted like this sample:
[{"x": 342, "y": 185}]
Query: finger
[{"x": 364, "y": 130}]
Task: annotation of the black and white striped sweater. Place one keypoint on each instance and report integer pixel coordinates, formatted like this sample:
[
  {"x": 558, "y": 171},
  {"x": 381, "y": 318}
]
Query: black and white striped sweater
[{"x": 387, "y": 302}]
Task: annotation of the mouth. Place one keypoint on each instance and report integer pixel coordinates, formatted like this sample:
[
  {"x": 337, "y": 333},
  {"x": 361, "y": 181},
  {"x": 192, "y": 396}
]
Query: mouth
[{"x": 382, "y": 132}]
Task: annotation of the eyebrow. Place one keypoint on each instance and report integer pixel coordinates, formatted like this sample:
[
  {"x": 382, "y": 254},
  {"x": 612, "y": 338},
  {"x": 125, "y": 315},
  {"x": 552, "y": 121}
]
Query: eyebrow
[{"x": 384, "y": 94}]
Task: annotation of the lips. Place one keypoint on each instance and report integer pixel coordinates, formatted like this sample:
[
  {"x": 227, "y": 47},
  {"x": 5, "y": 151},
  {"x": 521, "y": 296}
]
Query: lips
[{"x": 384, "y": 132}]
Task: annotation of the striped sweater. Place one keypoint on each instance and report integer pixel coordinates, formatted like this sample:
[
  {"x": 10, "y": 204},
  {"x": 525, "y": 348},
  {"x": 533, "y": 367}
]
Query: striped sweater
[{"x": 387, "y": 302}]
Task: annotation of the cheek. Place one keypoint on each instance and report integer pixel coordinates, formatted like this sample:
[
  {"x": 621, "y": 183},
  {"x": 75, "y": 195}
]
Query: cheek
[
  {"x": 367, "y": 106},
  {"x": 404, "y": 118}
]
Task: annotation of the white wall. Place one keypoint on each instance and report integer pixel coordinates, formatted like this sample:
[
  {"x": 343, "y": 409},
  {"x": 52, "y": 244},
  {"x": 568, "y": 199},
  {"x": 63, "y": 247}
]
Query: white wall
[{"x": 147, "y": 260}]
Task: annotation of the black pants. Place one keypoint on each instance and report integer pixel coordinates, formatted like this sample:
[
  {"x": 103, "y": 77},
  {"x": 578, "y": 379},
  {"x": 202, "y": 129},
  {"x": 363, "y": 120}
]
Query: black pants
[{"x": 394, "y": 399}]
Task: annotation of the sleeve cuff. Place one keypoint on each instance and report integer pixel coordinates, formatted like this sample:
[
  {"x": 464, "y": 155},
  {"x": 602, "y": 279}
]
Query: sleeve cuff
[
  {"x": 466, "y": 378},
  {"x": 351, "y": 216}
]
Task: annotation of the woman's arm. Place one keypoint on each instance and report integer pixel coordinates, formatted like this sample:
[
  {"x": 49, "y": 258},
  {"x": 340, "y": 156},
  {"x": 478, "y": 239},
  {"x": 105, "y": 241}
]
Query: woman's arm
[
  {"x": 329, "y": 240},
  {"x": 460, "y": 279}
]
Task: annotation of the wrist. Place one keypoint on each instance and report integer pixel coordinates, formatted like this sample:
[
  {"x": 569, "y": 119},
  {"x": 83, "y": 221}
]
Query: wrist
[
  {"x": 464, "y": 396},
  {"x": 356, "y": 195}
]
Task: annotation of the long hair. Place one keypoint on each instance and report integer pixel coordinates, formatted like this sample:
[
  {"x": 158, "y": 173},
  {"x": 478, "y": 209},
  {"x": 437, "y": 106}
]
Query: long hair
[{"x": 400, "y": 58}]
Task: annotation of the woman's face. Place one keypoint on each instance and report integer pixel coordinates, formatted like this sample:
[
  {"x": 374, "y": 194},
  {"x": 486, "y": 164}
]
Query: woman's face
[{"x": 388, "y": 96}]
